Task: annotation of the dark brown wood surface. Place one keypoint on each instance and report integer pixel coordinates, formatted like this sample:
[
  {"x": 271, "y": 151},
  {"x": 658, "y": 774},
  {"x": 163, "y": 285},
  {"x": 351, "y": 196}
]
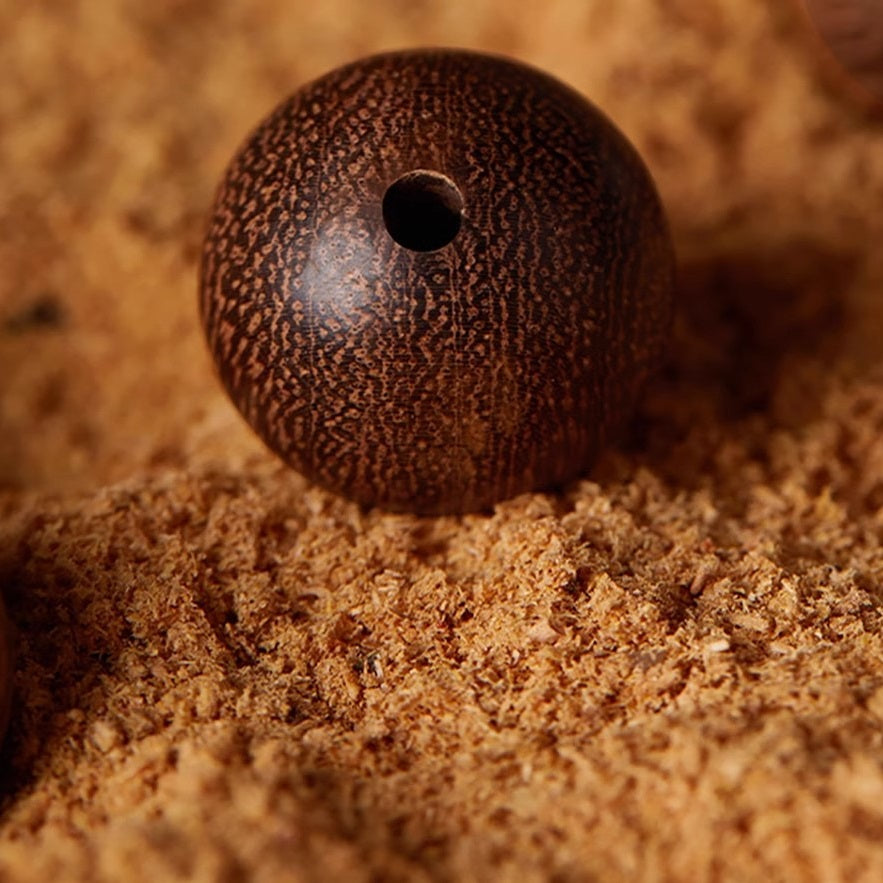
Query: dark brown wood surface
[{"x": 441, "y": 379}]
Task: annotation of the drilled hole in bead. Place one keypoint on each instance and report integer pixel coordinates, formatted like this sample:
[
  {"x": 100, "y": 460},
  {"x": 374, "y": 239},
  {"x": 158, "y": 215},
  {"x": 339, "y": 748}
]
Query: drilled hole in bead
[{"x": 423, "y": 210}]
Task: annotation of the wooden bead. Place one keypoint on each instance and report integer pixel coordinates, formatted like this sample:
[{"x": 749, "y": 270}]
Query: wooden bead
[
  {"x": 6, "y": 669},
  {"x": 436, "y": 279},
  {"x": 853, "y": 32}
]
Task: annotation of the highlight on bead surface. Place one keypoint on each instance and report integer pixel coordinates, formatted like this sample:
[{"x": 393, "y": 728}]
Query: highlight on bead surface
[{"x": 436, "y": 279}]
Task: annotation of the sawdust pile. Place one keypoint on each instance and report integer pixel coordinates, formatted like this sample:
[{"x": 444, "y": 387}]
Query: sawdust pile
[{"x": 670, "y": 670}]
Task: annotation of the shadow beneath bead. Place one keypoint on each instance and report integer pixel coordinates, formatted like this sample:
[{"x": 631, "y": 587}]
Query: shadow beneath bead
[
  {"x": 54, "y": 669},
  {"x": 746, "y": 315},
  {"x": 758, "y": 328}
]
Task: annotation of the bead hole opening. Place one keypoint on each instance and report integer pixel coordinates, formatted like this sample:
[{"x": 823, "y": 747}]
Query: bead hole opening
[{"x": 423, "y": 210}]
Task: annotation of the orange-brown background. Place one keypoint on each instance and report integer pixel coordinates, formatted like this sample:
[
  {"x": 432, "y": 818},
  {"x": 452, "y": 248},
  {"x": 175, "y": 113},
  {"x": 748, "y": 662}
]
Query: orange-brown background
[{"x": 672, "y": 670}]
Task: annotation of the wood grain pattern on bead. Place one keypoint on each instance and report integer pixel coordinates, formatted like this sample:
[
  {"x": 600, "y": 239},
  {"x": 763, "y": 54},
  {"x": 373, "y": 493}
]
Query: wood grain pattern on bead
[{"x": 426, "y": 376}]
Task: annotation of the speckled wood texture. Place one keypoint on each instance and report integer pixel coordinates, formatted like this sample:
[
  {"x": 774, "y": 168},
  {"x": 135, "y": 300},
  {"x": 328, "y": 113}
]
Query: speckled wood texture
[{"x": 441, "y": 380}]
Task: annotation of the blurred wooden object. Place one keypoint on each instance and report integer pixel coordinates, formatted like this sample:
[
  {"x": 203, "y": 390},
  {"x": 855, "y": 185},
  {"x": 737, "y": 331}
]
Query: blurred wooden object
[
  {"x": 852, "y": 31},
  {"x": 6, "y": 667}
]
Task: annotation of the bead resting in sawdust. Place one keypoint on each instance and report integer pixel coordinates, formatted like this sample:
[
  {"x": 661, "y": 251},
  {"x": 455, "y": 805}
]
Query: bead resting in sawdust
[{"x": 436, "y": 279}]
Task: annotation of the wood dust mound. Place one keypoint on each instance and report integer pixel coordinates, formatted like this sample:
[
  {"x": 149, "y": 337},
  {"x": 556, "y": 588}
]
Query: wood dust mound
[{"x": 670, "y": 670}]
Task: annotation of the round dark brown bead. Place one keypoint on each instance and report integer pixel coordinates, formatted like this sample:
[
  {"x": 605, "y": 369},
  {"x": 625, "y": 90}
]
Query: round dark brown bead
[
  {"x": 436, "y": 279},
  {"x": 6, "y": 669}
]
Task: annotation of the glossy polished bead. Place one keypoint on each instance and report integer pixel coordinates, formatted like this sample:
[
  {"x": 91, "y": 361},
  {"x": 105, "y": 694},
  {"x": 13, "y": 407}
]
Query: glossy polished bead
[{"x": 433, "y": 280}]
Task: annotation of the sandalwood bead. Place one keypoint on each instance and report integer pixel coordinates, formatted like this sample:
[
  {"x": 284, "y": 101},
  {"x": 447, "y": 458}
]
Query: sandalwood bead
[
  {"x": 436, "y": 279},
  {"x": 6, "y": 669},
  {"x": 853, "y": 32}
]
